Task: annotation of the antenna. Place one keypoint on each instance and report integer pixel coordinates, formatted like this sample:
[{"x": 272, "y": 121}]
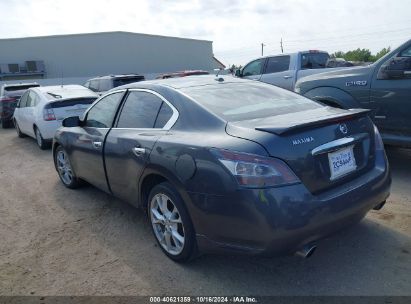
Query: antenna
[{"x": 281, "y": 44}]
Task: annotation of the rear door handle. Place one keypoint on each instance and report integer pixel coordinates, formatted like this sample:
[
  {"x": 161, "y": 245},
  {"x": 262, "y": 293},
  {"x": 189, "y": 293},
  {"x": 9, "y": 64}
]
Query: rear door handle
[
  {"x": 97, "y": 144},
  {"x": 287, "y": 77},
  {"x": 139, "y": 151}
]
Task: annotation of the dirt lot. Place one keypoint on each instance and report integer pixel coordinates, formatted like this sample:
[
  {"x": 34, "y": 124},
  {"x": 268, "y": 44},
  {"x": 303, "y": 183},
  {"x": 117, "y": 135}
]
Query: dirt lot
[{"x": 56, "y": 241}]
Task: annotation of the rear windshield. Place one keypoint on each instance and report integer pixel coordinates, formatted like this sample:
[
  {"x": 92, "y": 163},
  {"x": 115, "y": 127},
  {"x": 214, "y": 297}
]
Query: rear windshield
[
  {"x": 122, "y": 81},
  {"x": 244, "y": 101},
  {"x": 314, "y": 60},
  {"x": 71, "y": 102},
  {"x": 20, "y": 87}
]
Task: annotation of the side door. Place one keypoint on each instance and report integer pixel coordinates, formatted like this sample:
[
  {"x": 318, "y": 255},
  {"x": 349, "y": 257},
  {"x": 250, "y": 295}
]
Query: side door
[
  {"x": 277, "y": 72},
  {"x": 145, "y": 116},
  {"x": 253, "y": 70},
  {"x": 20, "y": 108},
  {"x": 27, "y": 114},
  {"x": 390, "y": 94},
  {"x": 88, "y": 142}
]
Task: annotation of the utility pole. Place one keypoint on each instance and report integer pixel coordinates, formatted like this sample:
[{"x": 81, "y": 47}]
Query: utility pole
[
  {"x": 281, "y": 44},
  {"x": 262, "y": 49}
]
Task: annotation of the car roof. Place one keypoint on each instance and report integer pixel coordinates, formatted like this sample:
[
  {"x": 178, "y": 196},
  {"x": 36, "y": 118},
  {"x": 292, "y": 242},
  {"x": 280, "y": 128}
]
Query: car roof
[
  {"x": 65, "y": 92},
  {"x": 188, "y": 81}
]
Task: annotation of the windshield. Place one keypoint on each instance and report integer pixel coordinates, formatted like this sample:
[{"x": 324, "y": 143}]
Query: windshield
[
  {"x": 20, "y": 87},
  {"x": 244, "y": 101}
]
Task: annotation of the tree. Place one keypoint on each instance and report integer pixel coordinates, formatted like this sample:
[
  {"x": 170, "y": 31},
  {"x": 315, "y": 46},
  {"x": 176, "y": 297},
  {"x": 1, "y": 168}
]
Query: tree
[
  {"x": 382, "y": 53},
  {"x": 362, "y": 55}
]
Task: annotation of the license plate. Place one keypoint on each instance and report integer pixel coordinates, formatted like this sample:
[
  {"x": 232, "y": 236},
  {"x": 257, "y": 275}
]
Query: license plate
[{"x": 341, "y": 162}]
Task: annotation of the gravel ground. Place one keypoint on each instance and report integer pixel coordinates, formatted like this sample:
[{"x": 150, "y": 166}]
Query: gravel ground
[{"x": 56, "y": 241}]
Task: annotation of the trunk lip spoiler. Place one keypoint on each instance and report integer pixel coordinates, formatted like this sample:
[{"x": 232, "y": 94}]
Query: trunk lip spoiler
[{"x": 348, "y": 114}]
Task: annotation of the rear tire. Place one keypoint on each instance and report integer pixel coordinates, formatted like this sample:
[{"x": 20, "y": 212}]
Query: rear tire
[
  {"x": 171, "y": 223},
  {"x": 43, "y": 145},
  {"x": 64, "y": 169},
  {"x": 19, "y": 133},
  {"x": 6, "y": 124}
]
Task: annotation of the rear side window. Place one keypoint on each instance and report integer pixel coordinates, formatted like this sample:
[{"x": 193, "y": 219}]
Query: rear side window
[
  {"x": 314, "y": 60},
  {"x": 164, "y": 116},
  {"x": 244, "y": 101},
  {"x": 277, "y": 64},
  {"x": 101, "y": 115},
  {"x": 140, "y": 110}
]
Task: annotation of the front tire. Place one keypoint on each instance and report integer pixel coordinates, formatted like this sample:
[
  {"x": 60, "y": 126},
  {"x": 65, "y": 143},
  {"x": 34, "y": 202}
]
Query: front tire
[
  {"x": 170, "y": 223},
  {"x": 43, "y": 145},
  {"x": 64, "y": 169}
]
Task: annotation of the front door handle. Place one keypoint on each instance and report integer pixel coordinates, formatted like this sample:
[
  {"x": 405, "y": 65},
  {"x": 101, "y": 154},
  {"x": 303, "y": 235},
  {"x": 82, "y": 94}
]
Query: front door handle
[
  {"x": 287, "y": 77},
  {"x": 139, "y": 151},
  {"x": 97, "y": 144}
]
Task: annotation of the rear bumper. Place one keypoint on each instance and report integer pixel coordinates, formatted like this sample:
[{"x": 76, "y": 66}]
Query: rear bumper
[{"x": 281, "y": 220}]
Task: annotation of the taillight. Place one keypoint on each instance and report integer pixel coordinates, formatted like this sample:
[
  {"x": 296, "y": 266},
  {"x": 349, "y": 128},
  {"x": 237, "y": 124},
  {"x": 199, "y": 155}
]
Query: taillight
[
  {"x": 48, "y": 114},
  {"x": 7, "y": 99},
  {"x": 255, "y": 171}
]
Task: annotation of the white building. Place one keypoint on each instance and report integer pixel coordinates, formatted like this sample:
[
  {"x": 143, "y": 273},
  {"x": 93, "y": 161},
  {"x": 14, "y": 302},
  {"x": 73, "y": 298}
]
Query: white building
[{"x": 78, "y": 57}]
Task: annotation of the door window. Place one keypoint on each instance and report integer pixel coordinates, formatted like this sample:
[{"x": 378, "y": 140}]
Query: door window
[
  {"x": 140, "y": 110},
  {"x": 102, "y": 114},
  {"x": 253, "y": 68},
  {"x": 406, "y": 53},
  {"x": 277, "y": 64},
  {"x": 23, "y": 100},
  {"x": 396, "y": 68}
]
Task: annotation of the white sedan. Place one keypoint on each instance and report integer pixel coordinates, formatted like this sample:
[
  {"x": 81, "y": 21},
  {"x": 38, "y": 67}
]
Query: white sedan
[{"x": 41, "y": 110}]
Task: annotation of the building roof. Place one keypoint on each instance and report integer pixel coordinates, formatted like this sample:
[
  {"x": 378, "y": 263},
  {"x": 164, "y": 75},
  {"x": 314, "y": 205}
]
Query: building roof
[
  {"x": 103, "y": 33},
  {"x": 219, "y": 62}
]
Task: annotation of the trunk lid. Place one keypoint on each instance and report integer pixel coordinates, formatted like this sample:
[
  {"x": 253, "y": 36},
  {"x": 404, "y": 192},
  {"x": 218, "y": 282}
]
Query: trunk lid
[{"x": 316, "y": 144}]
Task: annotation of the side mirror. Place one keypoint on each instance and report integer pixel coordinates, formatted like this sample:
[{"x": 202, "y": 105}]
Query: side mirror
[
  {"x": 70, "y": 122},
  {"x": 238, "y": 73}
]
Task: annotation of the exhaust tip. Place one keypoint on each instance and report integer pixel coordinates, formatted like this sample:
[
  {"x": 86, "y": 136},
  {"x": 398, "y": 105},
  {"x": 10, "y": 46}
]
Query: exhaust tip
[
  {"x": 306, "y": 251},
  {"x": 379, "y": 206}
]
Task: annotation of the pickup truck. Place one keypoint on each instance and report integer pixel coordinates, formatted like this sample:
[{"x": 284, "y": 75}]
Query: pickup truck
[
  {"x": 384, "y": 87},
  {"x": 285, "y": 69}
]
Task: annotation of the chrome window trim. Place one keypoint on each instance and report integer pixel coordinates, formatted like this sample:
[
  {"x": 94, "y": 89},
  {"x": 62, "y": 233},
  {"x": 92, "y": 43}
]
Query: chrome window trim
[
  {"x": 85, "y": 114},
  {"x": 170, "y": 123}
]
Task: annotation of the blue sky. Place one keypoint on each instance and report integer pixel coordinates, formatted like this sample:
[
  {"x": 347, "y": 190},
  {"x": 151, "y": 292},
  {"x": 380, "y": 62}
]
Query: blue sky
[{"x": 237, "y": 27}]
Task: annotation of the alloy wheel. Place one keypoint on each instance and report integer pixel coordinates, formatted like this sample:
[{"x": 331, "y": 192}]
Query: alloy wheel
[
  {"x": 167, "y": 224},
  {"x": 64, "y": 167}
]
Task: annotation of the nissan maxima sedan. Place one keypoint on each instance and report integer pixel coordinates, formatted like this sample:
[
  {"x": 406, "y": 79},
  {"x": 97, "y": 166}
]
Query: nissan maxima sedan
[{"x": 227, "y": 165}]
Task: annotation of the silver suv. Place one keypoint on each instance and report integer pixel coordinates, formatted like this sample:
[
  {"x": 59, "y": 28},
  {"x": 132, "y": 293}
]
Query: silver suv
[{"x": 103, "y": 84}]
